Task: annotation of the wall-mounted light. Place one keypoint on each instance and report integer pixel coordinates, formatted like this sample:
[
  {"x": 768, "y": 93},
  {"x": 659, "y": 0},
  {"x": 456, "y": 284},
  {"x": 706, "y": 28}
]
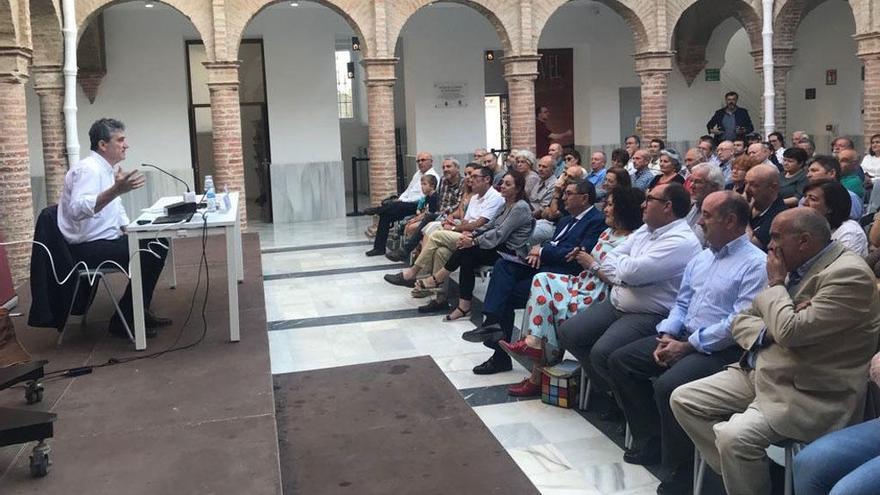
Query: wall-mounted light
[
  {"x": 490, "y": 55},
  {"x": 294, "y": 4},
  {"x": 355, "y": 44},
  {"x": 148, "y": 4},
  {"x": 350, "y": 66}
]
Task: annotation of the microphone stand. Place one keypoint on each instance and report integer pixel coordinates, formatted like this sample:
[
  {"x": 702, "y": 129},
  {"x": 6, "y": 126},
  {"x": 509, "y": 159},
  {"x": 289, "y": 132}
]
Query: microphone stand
[{"x": 188, "y": 196}]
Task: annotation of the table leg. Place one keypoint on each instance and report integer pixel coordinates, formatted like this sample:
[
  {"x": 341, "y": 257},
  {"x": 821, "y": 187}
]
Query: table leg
[
  {"x": 169, "y": 264},
  {"x": 239, "y": 258},
  {"x": 232, "y": 280},
  {"x": 137, "y": 293}
]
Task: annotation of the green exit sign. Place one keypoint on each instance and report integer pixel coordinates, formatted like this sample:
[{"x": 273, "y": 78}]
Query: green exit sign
[{"x": 713, "y": 75}]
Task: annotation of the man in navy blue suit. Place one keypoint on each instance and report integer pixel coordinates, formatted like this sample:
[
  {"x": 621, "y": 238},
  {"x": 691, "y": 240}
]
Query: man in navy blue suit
[
  {"x": 509, "y": 284},
  {"x": 730, "y": 122}
]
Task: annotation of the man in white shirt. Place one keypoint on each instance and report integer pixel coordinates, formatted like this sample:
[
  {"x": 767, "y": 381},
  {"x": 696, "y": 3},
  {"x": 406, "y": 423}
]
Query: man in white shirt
[
  {"x": 91, "y": 217},
  {"x": 403, "y": 206},
  {"x": 646, "y": 272}
]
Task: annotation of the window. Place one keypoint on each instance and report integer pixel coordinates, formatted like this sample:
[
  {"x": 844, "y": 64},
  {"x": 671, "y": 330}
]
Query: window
[{"x": 344, "y": 92}]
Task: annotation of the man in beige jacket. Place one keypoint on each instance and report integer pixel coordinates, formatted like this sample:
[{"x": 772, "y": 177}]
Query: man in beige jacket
[{"x": 808, "y": 338}]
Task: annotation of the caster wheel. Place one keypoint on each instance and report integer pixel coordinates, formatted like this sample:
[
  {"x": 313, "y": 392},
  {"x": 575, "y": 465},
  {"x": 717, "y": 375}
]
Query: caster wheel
[
  {"x": 33, "y": 393},
  {"x": 39, "y": 465}
]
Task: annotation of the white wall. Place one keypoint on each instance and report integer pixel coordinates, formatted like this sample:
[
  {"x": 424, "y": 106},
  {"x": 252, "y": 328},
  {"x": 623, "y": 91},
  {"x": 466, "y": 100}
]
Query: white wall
[
  {"x": 824, "y": 41},
  {"x": 445, "y": 43},
  {"x": 603, "y": 63},
  {"x": 691, "y": 107}
]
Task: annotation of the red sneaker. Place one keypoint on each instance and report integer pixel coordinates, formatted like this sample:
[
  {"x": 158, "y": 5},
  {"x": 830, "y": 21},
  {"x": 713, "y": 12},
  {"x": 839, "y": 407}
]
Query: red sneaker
[
  {"x": 520, "y": 348},
  {"x": 524, "y": 389}
]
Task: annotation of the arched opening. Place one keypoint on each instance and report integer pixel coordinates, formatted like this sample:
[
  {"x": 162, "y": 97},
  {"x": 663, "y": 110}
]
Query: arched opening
[
  {"x": 713, "y": 44},
  {"x": 599, "y": 97},
  {"x": 825, "y": 84},
  {"x": 443, "y": 82},
  {"x": 303, "y": 112},
  {"x": 144, "y": 84}
]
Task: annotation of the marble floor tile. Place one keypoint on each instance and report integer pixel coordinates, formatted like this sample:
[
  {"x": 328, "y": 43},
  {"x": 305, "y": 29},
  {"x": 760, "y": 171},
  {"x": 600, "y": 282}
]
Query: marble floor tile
[{"x": 319, "y": 259}]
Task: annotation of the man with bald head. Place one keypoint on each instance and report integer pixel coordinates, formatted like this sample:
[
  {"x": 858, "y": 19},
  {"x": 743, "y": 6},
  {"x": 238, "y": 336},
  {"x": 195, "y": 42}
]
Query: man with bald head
[
  {"x": 694, "y": 341},
  {"x": 643, "y": 175},
  {"x": 849, "y": 171},
  {"x": 762, "y": 192},
  {"x": 724, "y": 152},
  {"x": 808, "y": 336},
  {"x": 761, "y": 151}
]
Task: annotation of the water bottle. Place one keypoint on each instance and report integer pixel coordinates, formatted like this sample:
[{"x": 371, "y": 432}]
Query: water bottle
[{"x": 210, "y": 194}]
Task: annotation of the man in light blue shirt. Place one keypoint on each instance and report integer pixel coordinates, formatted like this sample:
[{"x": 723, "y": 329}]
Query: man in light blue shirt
[
  {"x": 597, "y": 172},
  {"x": 693, "y": 342}
]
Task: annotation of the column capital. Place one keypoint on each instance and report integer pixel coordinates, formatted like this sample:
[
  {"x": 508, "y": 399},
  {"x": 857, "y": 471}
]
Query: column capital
[
  {"x": 379, "y": 71},
  {"x": 14, "y": 62},
  {"x": 868, "y": 45},
  {"x": 648, "y": 63},
  {"x": 47, "y": 79},
  {"x": 521, "y": 66},
  {"x": 222, "y": 73}
]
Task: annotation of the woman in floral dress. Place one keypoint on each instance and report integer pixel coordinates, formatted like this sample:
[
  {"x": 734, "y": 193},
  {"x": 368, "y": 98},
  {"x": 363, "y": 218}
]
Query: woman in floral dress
[{"x": 555, "y": 297}]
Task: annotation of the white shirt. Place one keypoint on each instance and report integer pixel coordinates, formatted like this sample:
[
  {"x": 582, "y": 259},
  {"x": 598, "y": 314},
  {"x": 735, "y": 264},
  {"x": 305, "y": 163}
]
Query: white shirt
[
  {"x": 871, "y": 165},
  {"x": 413, "y": 192},
  {"x": 851, "y": 235},
  {"x": 779, "y": 153},
  {"x": 646, "y": 269},
  {"x": 77, "y": 219},
  {"x": 487, "y": 206}
]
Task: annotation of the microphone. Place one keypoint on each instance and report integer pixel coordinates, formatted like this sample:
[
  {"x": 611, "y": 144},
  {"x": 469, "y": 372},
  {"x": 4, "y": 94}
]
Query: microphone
[{"x": 188, "y": 197}]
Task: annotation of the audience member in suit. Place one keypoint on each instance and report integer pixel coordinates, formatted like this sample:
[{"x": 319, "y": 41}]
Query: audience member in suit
[
  {"x": 844, "y": 462},
  {"x": 645, "y": 273},
  {"x": 809, "y": 337},
  {"x": 693, "y": 342},
  {"x": 556, "y": 297},
  {"x": 509, "y": 284}
]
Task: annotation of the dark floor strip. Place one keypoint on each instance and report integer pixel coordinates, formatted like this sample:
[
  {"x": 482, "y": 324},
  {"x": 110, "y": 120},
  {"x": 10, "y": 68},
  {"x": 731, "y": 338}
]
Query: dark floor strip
[
  {"x": 323, "y": 321},
  {"x": 335, "y": 271},
  {"x": 487, "y": 396},
  {"x": 313, "y": 247}
]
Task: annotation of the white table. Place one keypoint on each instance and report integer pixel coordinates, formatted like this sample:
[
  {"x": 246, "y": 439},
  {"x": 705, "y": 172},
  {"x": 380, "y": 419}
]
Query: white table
[{"x": 220, "y": 222}]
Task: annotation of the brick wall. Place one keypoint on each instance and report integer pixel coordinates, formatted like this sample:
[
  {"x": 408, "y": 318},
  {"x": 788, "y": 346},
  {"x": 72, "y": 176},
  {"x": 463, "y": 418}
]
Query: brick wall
[{"x": 226, "y": 123}]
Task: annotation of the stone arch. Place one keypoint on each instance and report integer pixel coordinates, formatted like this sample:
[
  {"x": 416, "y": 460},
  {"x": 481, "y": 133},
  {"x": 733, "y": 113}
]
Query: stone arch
[
  {"x": 8, "y": 25},
  {"x": 197, "y": 11},
  {"x": 46, "y": 32},
  {"x": 624, "y": 8},
  {"x": 358, "y": 15},
  {"x": 693, "y": 27},
  {"x": 788, "y": 15},
  {"x": 500, "y": 14}
]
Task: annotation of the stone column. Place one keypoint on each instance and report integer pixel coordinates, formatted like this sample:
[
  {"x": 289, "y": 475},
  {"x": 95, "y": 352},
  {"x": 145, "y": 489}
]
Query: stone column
[
  {"x": 49, "y": 86},
  {"x": 869, "y": 53},
  {"x": 653, "y": 69},
  {"x": 16, "y": 200},
  {"x": 783, "y": 60},
  {"x": 379, "y": 79},
  {"x": 520, "y": 71},
  {"x": 226, "y": 130}
]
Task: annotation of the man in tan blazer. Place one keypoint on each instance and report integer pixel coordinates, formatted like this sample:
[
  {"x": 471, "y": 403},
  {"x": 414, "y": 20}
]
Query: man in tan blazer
[{"x": 808, "y": 337}]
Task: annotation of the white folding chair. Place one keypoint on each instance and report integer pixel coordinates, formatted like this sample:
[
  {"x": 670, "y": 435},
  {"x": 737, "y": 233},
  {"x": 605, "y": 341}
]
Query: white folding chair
[{"x": 93, "y": 277}]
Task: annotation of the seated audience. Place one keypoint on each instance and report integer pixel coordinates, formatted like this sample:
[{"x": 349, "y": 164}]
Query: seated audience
[
  {"x": 546, "y": 225},
  {"x": 631, "y": 144},
  {"x": 777, "y": 142},
  {"x": 556, "y": 151},
  {"x": 706, "y": 145},
  {"x": 738, "y": 170},
  {"x": 509, "y": 283},
  {"x": 794, "y": 176},
  {"x": 725, "y": 155},
  {"x": 841, "y": 143},
  {"x": 670, "y": 164},
  {"x": 572, "y": 157},
  {"x": 525, "y": 166},
  {"x": 762, "y": 192},
  {"x": 498, "y": 169},
  {"x": 427, "y": 207},
  {"x": 739, "y": 146},
  {"x": 617, "y": 177},
  {"x": 479, "y": 153},
  {"x": 807, "y": 144},
  {"x": 597, "y": 171},
  {"x": 619, "y": 158},
  {"x": 556, "y": 296},
  {"x": 871, "y": 162},
  {"x": 846, "y": 462},
  {"x": 541, "y": 193},
  {"x": 849, "y": 172},
  {"x": 809, "y": 337},
  {"x": 645, "y": 272},
  {"x": 642, "y": 176},
  {"x": 654, "y": 148},
  {"x": 403, "y": 206},
  {"x": 831, "y": 200},
  {"x": 507, "y": 233},
  {"x": 706, "y": 179},
  {"x": 761, "y": 151},
  {"x": 692, "y": 157},
  {"x": 827, "y": 167},
  {"x": 693, "y": 342}
]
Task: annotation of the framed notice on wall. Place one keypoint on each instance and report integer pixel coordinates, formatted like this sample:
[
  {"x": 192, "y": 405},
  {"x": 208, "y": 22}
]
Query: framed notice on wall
[
  {"x": 713, "y": 75},
  {"x": 831, "y": 77},
  {"x": 450, "y": 95}
]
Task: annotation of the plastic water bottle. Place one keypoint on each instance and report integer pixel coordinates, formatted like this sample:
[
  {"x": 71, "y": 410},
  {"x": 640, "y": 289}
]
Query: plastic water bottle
[{"x": 210, "y": 194}]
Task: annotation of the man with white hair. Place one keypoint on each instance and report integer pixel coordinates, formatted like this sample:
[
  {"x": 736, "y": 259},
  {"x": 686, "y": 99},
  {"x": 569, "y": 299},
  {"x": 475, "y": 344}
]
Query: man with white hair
[
  {"x": 761, "y": 151},
  {"x": 706, "y": 178}
]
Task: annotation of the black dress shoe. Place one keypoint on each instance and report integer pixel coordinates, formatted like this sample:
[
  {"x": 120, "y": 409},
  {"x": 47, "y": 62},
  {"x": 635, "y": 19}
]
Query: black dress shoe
[
  {"x": 493, "y": 365},
  {"x": 679, "y": 482},
  {"x": 646, "y": 455},
  {"x": 396, "y": 255},
  {"x": 435, "y": 306},
  {"x": 375, "y": 252},
  {"x": 397, "y": 279},
  {"x": 152, "y": 320},
  {"x": 116, "y": 329},
  {"x": 486, "y": 333}
]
